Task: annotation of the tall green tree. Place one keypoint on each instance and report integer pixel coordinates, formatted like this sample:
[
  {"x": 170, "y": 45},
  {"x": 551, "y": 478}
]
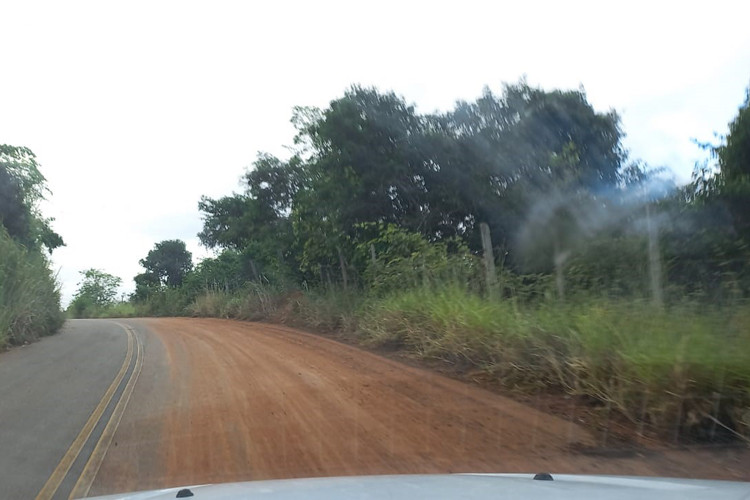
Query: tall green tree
[
  {"x": 145, "y": 284},
  {"x": 169, "y": 261},
  {"x": 96, "y": 290},
  {"x": 734, "y": 168},
  {"x": 257, "y": 222},
  {"x": 369, "y": 157},
  {"x": 22, "y": 187},
  {"x": 528, "y": 146}
]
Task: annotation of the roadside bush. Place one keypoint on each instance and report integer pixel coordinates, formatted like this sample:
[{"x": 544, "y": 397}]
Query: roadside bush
[
  {"x": 254, "y": 302},
  {"x": 683, "y": 366},
  {"x": 80, "y": 308},
  {"x": 327, "y": 310},
  {"x": 165, "y": 301},
  {"x": 29, "y": 294}
]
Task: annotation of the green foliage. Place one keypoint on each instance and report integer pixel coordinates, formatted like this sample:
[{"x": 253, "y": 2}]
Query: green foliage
[
  {"x": 22, "y": 187},
  {"x": 651, "y": 365},
  {"x": 257, "y": 223},
  {"x": 611, "y": 283},
  {"x": 326, "y": 310},
  {"x": 734, "y": 165},
  {"x": 614, "y": 266},
  {"x": 120, "y": 310},
  {"x": 369, "y": 157},
  {"x": 404, "y": 258},
  {"x": 29, "y": 294},
  {"x": 229, "y": 221},
  {"x": 164, "y": 301},
  {"x": 114, "y": 310},
  {"x": 253, "y": 302},
  {"x": 169, "y": 261},
  {"x": 145, "y": 284},
  {"x": 96, "y": 291},
  {"x": 727, "y": 182},
  {"x": 227, "y": 271}
]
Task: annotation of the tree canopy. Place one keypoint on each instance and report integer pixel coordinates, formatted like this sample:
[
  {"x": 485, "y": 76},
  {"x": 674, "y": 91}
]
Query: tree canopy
[
  {"x": 22, "y": 187},
  {"x": 96, "y": 290},
  {"x": 370, "y": 157},
  {"x": 167, "y": 263}
]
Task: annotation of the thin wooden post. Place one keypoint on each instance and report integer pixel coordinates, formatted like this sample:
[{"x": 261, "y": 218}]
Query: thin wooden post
[
  {"x": 328, "y": 277},
  {"x": 489, "y": 258},
  {"x": 559, "y": 260},
  {"x": 254, "y": 269},
  {"x": 342, "y": 263},
  {"x": 654, "y": 261}
]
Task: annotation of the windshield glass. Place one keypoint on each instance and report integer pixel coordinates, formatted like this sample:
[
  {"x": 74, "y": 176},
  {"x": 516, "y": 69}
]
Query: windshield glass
[{"x": 316, "y": 239}]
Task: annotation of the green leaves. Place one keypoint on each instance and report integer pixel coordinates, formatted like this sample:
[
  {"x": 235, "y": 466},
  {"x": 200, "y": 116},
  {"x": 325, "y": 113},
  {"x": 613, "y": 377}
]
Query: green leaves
[
  {"x": 727, "y": 181},
  {"x": 370, "y": 158},
  {"x": 96, "y": 291},
  {"x": 29, "y": 294},
  {"x": 20, "y": 163},
  {"x": 169, "y": 261},
  {"x": 22, "y": 187}
]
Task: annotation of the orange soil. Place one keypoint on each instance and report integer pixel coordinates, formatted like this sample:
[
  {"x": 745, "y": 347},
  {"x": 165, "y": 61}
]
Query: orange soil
[{"x": 222, "y": 400}]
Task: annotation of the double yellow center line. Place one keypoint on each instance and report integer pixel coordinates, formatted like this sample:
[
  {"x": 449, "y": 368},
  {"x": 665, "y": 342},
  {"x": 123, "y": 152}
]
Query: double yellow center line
[{"x": 83, "y": 484}]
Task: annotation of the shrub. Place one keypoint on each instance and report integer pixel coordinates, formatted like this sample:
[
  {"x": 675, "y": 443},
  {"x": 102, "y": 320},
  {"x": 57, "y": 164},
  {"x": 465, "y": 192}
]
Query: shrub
[
  {"x": 663, "y": 367},
  {"x": 29, "y": 294}
]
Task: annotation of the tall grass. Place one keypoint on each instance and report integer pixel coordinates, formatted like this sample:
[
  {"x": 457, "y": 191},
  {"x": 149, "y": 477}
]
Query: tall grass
[
  {"x": 29, "y": 294},
  {"x": 253, "y": 302},
  {"x": 326, "y": 310},
  {"x": 320, "y": 310},
  {"x": 677, "y": 367},
  {"x": 657, "y": 366},
  {"x": 165, "y": 302}
]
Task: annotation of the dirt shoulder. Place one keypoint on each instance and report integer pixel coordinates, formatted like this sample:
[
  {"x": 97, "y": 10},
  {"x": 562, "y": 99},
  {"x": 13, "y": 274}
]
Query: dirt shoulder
[{"x": 250, "y": 401}]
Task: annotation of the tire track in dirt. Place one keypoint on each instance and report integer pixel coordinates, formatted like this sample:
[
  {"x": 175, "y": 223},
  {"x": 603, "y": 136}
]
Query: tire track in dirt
[{"x": 243, "y": 401}]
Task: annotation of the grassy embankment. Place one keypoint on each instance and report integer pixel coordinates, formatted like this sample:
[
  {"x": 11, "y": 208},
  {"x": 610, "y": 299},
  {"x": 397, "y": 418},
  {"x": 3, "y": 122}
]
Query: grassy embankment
[
  {"x": 29, "y": 294},
  {"x": 685, "y": 364}
]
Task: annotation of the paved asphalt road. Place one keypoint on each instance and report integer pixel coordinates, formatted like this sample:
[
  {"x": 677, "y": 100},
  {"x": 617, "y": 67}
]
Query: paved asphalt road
[{"x": 48, "y": 390}]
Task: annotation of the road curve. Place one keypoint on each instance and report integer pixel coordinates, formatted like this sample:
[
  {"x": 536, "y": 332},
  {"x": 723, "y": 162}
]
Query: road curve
[
  {"x": 48, "y": 392},
  {"x": 222, "y": 400},
  {"x": 172, "y": 402}
]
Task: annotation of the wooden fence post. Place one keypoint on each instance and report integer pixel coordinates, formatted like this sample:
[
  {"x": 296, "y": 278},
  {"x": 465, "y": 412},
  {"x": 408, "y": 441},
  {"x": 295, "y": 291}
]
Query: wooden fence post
[
  {"x": 559, "y": 261},
  {"x": 654, "y": 261},
  {"x": 342, "y": 263},
  {"x": 489, "y": 258}
]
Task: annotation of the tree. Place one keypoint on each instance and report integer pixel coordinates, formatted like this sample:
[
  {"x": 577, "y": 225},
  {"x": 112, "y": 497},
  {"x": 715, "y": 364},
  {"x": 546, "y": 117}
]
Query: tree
[
  {"x": 22, "y": 187},
  {"x": 365, "y": 164},
  {"x": 526, "y": 146},
  {"x": 228, "y": 222},
  {"x": 96, "y": 290},
  {"x": 170, "y": 261},
  {"x": 369, "y": 157},
  {"x": 256, "y": 223},
  {"x": 145, "y": 284},
  {"x": 734, "y": 168}
]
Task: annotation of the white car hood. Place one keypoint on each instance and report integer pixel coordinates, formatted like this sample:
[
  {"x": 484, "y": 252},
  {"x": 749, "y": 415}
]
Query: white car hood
[{"x": 452, "y": 486}]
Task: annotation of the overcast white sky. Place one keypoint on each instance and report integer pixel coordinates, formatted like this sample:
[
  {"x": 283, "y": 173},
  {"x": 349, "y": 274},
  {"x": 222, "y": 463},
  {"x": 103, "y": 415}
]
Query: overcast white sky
[{"x": 136, "y": 109}]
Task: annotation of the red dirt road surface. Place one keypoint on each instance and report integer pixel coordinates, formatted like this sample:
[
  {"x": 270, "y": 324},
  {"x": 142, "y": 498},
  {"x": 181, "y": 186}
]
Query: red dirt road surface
[{"x": 221, "y": 400}]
